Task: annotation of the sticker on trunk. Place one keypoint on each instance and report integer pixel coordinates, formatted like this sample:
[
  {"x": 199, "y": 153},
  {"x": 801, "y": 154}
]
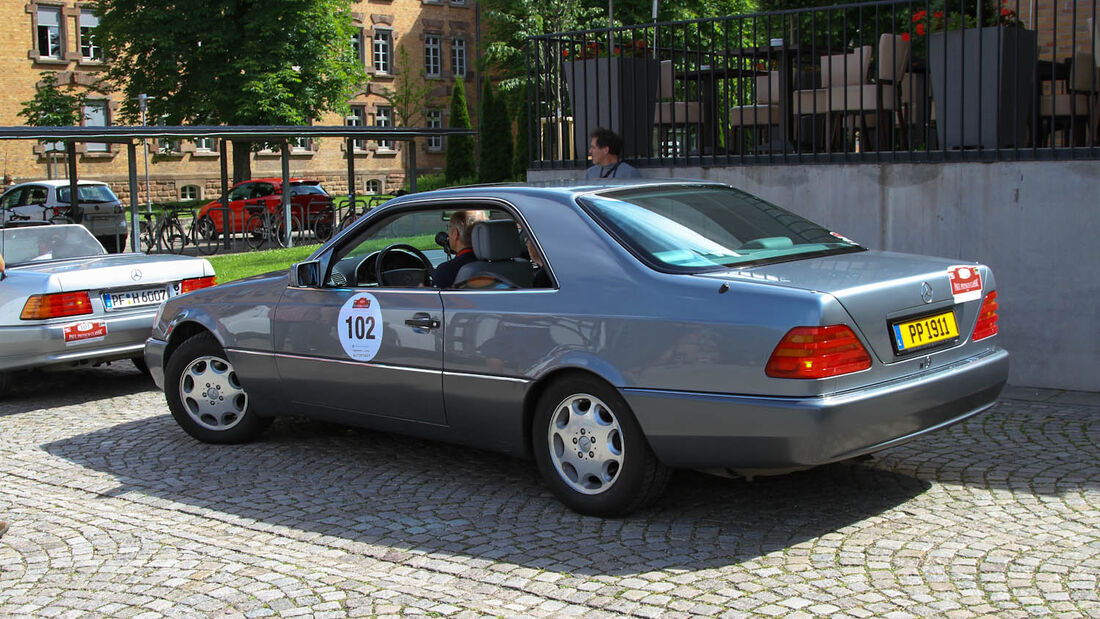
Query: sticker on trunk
[
  {"x": 966, "y": 283},
  {"x": 360, "y": 326},
  {"x": 84, "y": 331}
]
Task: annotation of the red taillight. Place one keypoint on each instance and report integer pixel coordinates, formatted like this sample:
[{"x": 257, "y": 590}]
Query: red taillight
[
  {"x": 818, "y": 352},
  {"x": 987, "y": 318},
  {"x": 196, "y": 283},
  {"x": 42, "y": 306}
]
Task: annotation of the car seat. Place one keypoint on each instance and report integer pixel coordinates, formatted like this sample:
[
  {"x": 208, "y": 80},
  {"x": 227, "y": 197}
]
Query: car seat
[{"x": 497, "y": 246}]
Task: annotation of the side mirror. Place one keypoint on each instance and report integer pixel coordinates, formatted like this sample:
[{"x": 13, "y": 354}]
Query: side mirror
[{"x": 306, "y": 274}]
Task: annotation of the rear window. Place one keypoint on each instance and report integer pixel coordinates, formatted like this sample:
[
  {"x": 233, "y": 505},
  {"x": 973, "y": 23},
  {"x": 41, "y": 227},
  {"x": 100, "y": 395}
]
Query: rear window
[
  {"x": 87, "y": 193},
  {"x": 688, "y": 228},
  {"x": 310, "y": 189},
  {"x": 42, "y": 243}
]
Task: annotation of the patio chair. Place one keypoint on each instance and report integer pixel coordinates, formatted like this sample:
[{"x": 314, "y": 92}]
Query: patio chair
[
  {"x": 673, "y": 117},
  {"x": 1069, "y": 111},
  {"x": 839, "y": 72},
  {"x": 763, "y": 114},
  {"x": 878, "y": 103}
]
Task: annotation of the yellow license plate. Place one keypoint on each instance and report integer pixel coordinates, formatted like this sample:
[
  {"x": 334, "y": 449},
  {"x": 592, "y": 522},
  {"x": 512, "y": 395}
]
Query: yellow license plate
[{"x": 922, "y": 332}]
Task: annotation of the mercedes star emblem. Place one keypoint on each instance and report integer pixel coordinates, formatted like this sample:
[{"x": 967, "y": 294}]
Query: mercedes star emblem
[
  {"x": 135, "y": 274},
  {"x": 926, "y": 292}
]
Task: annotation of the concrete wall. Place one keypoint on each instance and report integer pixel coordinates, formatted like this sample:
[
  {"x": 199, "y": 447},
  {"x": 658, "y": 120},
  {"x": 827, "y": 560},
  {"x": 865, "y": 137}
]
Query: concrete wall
[{"x": 1034, "y": 223}]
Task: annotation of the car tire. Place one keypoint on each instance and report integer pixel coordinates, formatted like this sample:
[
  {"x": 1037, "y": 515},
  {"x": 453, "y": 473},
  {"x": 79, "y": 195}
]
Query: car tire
[
  {"x": 205, "y": 397},
  {"x": 5, "y": 382},
  {"x": 591, "y": 451}
]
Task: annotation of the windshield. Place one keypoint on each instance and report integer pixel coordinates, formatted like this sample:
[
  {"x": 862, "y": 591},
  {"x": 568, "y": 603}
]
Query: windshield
[
  {"x": 42, "y": 243},
  {"x": 87, "y": 193},
  {"x": 699, "y": 228}
]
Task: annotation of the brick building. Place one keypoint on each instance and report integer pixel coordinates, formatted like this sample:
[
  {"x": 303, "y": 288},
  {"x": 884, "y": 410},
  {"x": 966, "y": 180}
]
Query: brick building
[{"x": 55, "y": 35}]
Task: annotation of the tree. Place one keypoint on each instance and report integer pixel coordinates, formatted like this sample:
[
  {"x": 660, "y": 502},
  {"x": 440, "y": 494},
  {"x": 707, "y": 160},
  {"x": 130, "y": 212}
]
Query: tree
[
  {"x": 247, "y": 62},
  {"x": 53, "y": 107},
  {"x": 460, "y": 162},
  {"x": 411, "y": 93},
  {"x": 495, "y": 132},
  {"x": 523, "y": 143}
]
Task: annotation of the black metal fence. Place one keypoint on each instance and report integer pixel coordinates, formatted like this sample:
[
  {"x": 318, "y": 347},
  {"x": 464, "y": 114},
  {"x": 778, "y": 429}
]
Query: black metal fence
[{"x": 897, "y": 80}]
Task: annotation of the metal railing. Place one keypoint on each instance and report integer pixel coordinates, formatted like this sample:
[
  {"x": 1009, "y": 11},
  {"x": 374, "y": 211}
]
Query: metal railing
[{"x": 889, "y": 81}]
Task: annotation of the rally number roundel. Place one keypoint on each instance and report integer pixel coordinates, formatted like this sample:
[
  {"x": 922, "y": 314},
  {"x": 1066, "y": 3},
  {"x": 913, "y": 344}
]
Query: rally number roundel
[{"x": 360, "y": 326}]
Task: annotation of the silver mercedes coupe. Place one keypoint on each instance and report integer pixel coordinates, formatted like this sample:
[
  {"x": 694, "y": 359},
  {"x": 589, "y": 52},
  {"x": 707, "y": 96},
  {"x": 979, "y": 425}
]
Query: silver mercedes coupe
[{"x": 609, "y": 331}]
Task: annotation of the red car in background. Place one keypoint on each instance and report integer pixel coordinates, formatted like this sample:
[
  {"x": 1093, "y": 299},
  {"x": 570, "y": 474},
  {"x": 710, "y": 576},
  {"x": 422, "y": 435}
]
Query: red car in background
[{"x": 309, "y": 202}]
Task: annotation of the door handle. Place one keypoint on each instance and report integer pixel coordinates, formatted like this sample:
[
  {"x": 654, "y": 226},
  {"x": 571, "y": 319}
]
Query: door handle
[{"x": 422, "y": 321}]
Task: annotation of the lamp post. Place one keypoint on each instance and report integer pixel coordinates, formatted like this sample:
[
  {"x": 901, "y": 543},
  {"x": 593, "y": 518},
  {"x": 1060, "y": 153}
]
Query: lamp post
[{"x": 143, "y": 105}]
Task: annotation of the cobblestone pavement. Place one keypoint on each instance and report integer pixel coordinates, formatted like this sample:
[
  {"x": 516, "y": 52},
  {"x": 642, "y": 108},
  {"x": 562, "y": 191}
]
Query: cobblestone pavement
[{"x": 116, "y": 512}]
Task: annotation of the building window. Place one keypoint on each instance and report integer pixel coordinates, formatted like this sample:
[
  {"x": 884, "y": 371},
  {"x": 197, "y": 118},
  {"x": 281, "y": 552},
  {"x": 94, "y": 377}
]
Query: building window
[
  {"x": 435, "y": 121},
  {"x": 95, "y": 115},
  {"x": 373, "y": 186},
  {"x": 458, "y": 2},
  {"x": 190, "y": 192},
  {"x": 357, "y": 118},
  {"x": 383, "y": 40},
  {"x": 357, "y": 45},
  {"x": 432, "y": 60},
  {"x": 204, "y": 145},
  {"x": 299, "y": 145},
  {"x": 458, "y": 57},
  {"x": 49, "y": 32},
  {"x": 89, "y": 50},
  {"x": 383, "y": 117}
]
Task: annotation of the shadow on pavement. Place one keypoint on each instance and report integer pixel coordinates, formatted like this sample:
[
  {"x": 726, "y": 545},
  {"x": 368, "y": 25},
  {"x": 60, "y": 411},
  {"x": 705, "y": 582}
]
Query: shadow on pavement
[
  {"x": 400, "y": 496},
  {"x": 36, "y": 390}
]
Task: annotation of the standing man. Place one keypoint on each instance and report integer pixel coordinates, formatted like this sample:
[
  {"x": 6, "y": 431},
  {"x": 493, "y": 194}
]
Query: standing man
[{"x": 605, "y": 148}]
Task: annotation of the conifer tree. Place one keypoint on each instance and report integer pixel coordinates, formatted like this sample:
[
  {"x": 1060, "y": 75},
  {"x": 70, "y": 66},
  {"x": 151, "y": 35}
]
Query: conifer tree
[{"x": 460, "y": 162}]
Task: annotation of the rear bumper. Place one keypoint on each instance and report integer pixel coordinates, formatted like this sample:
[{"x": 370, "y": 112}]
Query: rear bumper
[
  {"x": 43, "y": 345},
  {"x": 700, "y": 430}
]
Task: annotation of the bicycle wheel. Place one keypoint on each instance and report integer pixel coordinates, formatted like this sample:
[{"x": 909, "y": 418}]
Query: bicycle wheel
[
  {"x": 172, "y": 237},
  {"x": 279, "y": 231},
  {"x": 256, "y": 231},
  {"x": 323, "y": 224},
  {"x": 145, "y": 236},
  {"x": 204, "y": 235}
]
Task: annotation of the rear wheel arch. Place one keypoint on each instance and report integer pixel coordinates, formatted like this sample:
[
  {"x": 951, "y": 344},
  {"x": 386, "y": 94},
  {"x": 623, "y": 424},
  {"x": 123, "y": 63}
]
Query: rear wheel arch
[{"x": 535, "y": 393}]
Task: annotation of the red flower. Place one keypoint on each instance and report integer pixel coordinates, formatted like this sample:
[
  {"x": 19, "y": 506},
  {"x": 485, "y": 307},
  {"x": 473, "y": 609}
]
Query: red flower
[
  {"x": 919, "y": 15},
  {"x": 1005, "y": 12},
  {"x": 905, "y": 36},
  {"x": 565, "y": 53},
  {"x": 939, "y": 14},
  {"x": 920, "y": 30}
]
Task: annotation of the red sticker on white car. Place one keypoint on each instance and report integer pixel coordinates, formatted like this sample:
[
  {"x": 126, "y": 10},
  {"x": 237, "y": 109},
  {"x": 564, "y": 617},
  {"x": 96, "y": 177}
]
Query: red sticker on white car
[
  {"x": 966, "y": 283},
  {"x": 85, "y": 331}
]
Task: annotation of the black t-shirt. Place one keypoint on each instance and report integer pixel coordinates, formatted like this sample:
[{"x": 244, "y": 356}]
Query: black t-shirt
[{"x": 444, "y": 275}]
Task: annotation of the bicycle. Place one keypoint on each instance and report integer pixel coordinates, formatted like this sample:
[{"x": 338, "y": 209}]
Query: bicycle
[
  {"x": 266, "y": 225},
  {"x": 349, "y": 213},
  {"x": 162, "y": 232},
  {"x": 204, "y": 235}
]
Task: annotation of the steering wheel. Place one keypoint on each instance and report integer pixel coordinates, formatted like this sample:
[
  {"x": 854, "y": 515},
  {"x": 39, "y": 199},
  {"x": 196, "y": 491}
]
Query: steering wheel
[{"x": 406, "y": 276}]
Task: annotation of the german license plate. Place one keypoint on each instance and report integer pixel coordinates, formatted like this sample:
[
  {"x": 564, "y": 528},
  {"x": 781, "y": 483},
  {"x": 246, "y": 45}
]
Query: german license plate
[
  {"x": 134, "y": 298},
  {"x": 912, "y": 334}
]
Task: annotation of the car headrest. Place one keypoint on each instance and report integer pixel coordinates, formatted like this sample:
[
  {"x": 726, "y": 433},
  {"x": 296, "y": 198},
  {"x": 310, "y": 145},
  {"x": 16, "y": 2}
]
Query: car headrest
[{"x": 496, "y": 239}]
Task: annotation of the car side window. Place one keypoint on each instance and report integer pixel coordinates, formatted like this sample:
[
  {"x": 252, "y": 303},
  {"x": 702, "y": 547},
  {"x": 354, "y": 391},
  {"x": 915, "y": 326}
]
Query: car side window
[
  {"x": 241, "y": 193},
  {"x": 37, "y": 195},
  {"x": 402, "y": 237},
  {"x": 12, "y": 198}
]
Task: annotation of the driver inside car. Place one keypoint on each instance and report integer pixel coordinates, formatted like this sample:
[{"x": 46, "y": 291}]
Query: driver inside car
[{"x": 458, "y": 236}]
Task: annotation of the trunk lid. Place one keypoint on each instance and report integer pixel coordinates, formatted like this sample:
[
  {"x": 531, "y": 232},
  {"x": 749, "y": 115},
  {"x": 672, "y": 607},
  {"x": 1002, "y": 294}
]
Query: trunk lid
[{"x": 878, "y": 289}]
